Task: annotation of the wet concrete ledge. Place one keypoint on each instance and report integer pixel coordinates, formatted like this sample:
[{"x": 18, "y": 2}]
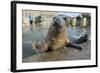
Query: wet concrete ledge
[{"x": 62, "y": 54}]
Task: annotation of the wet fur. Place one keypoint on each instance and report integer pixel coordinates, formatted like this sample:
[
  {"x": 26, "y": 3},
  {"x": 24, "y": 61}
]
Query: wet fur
[{"x": 56, "y": 37}]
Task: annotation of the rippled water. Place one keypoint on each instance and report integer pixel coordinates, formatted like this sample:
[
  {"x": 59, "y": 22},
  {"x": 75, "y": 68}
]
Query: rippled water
[{"x": 77, "y": 32}]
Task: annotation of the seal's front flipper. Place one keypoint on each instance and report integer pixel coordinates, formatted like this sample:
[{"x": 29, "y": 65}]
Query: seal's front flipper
[
  {"x": 74, "y": 46},
  {"x": 40, "y": 46}
]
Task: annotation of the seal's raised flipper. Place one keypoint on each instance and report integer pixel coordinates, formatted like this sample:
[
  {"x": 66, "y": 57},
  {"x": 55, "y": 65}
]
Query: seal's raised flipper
[
  {"x": 82, "y": 39},
  {"x": 74, "y": 46},
  {"x": 41, "y": 46}
]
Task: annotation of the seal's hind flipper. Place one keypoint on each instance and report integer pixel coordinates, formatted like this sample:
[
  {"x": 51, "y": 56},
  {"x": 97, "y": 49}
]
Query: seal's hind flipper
[
  {"x": 82, "y": 39},
  {"x": 74, "y": 46}
]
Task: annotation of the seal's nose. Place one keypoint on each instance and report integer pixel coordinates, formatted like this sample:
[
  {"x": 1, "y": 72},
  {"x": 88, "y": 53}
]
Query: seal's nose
[{"x": 56, "y": 22}]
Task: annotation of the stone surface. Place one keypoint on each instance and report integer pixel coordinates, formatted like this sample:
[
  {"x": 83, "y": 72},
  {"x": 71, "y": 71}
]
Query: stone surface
[{"x": 62, "y": 54}]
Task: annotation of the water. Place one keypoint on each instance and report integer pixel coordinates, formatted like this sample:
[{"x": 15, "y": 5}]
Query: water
[
  {"x": 39, "y": 33},
  {"x": 76, "y": 32}
]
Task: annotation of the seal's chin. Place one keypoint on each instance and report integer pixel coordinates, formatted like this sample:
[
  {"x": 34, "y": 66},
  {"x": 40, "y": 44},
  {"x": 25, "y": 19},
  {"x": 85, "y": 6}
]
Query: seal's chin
[{"x": 61, "y": 30}]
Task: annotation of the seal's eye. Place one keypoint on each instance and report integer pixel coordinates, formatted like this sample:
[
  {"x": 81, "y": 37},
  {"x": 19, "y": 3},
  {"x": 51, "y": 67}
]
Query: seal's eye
[
  {"x": 54, "y": 18},
  {"x": 65, "y": 18}
]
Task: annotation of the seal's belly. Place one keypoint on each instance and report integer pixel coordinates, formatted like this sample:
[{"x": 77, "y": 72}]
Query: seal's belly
[{"x": 58, "y": 42}]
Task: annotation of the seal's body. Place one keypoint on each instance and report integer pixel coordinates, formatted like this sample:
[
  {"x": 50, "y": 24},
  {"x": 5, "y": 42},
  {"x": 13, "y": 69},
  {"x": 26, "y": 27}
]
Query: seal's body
[
  {"x": 56, "y": 37},
  {"x": 57, "y": 41}
]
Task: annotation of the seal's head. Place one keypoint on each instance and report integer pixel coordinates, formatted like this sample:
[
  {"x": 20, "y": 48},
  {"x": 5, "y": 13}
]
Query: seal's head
[{"x": 59, "y": 23}]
